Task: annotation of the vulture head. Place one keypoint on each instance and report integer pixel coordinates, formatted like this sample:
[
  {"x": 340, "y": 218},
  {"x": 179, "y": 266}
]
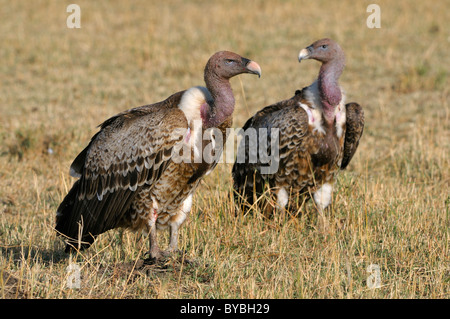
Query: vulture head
[
  {"x": 333, "y": 61},
  {"x": 226, "y": 64},
  {"x": 323, "y": 50}
]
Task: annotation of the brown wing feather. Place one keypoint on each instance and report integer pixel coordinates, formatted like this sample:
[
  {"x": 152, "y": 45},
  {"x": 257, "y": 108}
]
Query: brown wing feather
[
  {"x": 292, "y": 122},
  {"x": 130, "y": 151},
  {"x": 354, "y": 130},
  {"x": 124, "y": 151}
]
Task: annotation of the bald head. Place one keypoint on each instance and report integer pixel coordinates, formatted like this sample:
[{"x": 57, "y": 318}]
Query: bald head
[
  {"x": 227, "y": 64},
  {"x": 323, "y": 50}
]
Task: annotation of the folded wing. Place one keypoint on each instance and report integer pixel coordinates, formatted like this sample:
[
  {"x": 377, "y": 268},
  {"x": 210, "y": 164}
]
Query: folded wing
[{"x": 131, "y": 151}]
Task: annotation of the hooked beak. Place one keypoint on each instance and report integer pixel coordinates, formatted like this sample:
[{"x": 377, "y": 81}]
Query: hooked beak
[
  {"x": 252, "y": 67},
  {"x": 304, "y": 54}
]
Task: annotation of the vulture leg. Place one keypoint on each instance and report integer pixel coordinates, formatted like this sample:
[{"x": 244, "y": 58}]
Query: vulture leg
[
  {"x": 282, "y": 198},
  {"x": 323, "y": 223},
  {"x": 173, "y": 244},
  {"x": 154, "y": 252},
  {"x": 175, "y": 222},
  {"x": 322, "y": 198}
]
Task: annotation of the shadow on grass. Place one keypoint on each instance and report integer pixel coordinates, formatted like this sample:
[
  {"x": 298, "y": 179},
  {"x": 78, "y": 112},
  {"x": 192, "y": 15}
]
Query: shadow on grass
[
  {"x": 12, "y": 286},
  {"x": 18, "y": 254}
]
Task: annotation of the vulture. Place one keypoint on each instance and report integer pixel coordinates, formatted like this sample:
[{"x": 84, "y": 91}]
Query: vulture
[
  {"x": 316, "y": 135},
  {"x": 141, "y": 169}
]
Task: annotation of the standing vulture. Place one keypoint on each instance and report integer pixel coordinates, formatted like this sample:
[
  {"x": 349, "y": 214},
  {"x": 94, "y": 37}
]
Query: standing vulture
[
  {"x": 318, "y": 135},
  {"x": 133, "y": 175}
]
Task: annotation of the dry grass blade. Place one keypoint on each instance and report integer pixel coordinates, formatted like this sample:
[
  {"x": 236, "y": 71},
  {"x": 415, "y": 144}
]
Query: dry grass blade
[{"x": 390, "y": 208}]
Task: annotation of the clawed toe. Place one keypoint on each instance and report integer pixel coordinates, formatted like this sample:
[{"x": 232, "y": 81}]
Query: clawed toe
[
  {"x": 154, "y": 257},
  {"x": 150, "y": 261}
]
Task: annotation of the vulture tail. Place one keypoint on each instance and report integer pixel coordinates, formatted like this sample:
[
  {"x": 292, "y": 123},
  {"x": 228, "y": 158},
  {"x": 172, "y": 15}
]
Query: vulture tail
[{"x": 64, "y": 222}]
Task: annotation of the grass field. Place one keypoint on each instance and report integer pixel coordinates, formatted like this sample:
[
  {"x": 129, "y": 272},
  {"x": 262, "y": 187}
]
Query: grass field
[{"x": 390, "y": 208}]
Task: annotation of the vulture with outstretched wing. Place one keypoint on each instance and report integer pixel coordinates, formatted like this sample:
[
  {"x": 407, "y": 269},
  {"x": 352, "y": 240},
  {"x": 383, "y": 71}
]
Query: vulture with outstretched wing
[{"x": 141, "y": 169}]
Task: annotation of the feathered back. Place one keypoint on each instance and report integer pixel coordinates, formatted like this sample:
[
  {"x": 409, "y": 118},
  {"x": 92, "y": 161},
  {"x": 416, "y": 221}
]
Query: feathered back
[{"x": 130, "y": 151}]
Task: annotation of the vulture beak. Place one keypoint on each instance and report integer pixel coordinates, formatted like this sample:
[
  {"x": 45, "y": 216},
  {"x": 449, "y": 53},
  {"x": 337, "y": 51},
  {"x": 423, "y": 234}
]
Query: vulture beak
[
  {"x": 304, "y": 54},
  {"x": 252, "y": 67}
]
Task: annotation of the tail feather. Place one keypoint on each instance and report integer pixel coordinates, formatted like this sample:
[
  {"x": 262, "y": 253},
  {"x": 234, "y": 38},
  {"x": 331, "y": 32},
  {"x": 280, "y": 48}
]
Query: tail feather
[
  {"x": 80, "y": 221},
  {"x": 64, "y": 222}
]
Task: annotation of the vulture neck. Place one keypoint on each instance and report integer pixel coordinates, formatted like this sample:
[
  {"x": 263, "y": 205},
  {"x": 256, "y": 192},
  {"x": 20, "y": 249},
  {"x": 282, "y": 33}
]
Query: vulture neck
[
  {"x": 330, "y": 92},
  {"x": 222, "y": 105}
]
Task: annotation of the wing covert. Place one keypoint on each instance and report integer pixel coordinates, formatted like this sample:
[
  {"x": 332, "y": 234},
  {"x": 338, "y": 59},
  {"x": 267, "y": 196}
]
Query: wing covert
[{"x": 353, "y": 132}]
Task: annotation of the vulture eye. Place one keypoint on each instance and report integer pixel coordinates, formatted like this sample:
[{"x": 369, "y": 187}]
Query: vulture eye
[
  {"x": 324, "y": 46},
  {"x": 229, "y": 61}
]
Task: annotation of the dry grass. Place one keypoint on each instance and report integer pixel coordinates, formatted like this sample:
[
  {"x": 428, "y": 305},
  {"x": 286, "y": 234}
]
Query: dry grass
[{"x": 391, "y": 207}]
